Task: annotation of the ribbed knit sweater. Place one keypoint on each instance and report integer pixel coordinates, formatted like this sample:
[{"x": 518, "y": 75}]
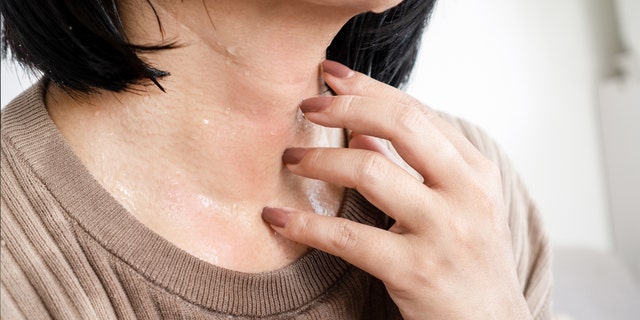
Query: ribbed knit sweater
[{"x": 69, "y": 250}]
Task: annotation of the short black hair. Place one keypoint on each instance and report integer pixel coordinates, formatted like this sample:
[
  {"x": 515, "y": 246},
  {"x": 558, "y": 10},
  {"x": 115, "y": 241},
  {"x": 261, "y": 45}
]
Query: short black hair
[
  {"x": 383, "y": 46},
  {"x": 81, "y": 44}
]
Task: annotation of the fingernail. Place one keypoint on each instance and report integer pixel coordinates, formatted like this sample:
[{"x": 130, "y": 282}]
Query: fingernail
[
  {"x": 336, "y": 69},
  {"x": 315, "y": 104},
  {"x": 275, "y": 216},
  {"x": 293, "y": 155}
]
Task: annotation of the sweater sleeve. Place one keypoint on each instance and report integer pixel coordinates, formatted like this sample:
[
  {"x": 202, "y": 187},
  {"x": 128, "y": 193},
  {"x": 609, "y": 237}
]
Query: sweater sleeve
[
  {"x": 530, "y": 242},
  {"x": 16, "y": 293}
]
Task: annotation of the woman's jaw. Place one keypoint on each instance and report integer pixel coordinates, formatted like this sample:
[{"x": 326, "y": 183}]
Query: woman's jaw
[{"x": 359, "y": 6}]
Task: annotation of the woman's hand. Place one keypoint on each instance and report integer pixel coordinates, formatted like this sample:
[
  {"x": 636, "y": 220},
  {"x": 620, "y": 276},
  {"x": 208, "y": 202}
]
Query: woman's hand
[{"x": 449, "y": 254}]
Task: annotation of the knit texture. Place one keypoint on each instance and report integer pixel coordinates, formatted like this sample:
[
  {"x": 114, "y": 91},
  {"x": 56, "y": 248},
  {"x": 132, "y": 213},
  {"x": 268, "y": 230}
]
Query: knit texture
[{"x": 69, "y": 250}]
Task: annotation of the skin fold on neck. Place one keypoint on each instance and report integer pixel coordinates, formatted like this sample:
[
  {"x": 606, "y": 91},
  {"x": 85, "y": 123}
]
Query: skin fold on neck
[{"x": 198, "y": 163}]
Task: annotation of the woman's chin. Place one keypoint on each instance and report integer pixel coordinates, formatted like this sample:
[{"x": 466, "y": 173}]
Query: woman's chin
[
  {"x": 360, "y": 5},
  {"x": 385, "y": 5}
]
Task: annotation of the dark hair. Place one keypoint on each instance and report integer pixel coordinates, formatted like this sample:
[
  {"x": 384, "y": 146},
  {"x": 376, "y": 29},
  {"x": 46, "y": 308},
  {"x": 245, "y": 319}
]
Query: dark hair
[
  {"x": 383, "y": 46},
  {"x": 81, "y": 44}
]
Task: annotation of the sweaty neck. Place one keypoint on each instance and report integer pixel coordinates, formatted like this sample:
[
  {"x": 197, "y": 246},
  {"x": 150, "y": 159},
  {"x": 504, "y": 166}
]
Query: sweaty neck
[
  {"x": 230, "y": 109},
  {"x": 206, "y": 155}
]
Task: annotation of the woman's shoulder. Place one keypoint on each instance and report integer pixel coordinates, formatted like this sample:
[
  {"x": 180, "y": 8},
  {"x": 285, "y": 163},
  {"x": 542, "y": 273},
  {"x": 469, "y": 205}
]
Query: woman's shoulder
[
  {"x": 24, "y": 113},
  {"x": 26, "y": 129}
]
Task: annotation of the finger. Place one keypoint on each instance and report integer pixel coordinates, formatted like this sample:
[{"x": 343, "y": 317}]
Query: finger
[
  {"x": 386, "y": 185},
  {"x": 417, "y": 140},
  {"x": 360, "y": 141},
  {"x": 373, "y": 250},
  {"x": 344, "y": 81}
]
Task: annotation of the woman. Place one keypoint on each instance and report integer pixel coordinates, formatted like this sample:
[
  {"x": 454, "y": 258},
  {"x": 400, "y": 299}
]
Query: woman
[{"x": 179, "y": 159}]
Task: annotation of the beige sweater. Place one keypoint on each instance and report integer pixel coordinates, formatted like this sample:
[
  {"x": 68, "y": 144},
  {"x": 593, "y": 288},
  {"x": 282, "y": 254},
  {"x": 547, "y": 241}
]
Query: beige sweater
[{"x": 70, "y": 251}]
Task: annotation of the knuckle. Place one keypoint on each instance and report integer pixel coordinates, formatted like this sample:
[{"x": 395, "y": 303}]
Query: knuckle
[
  {"x": 419, "y": 270},
  {"x": 410, "y": 119},
  {"x": 300, "y": 227},
  {"x": 344, "y": 236},
  {"x": 462, "y": 232},
  {"x": 430, "y": 114},
  {"x": 486, "y": 202},
  {"x": 347, "y": 102},
  {"x": 401, "y": 280},
  {"x": 491, "y": 170},
  {"x": 372, "y": 169},
  {"x": 489, "y": 186},
  {"x": 483, "y": 216},
  {"x": 408, "y": 100},
  {"x": 424, "y": 271},
  {"x": 346, "y": 105}
]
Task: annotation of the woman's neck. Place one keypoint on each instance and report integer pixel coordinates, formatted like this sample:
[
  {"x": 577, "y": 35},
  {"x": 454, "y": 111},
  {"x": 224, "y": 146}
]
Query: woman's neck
[
  {"x": 197, "y": 164},
  {"x": 231, "y": 104}
]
